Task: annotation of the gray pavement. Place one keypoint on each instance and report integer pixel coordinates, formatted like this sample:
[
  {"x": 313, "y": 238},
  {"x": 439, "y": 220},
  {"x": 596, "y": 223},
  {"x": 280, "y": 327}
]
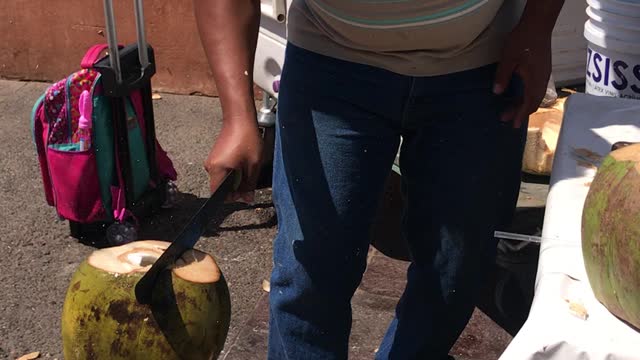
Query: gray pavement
[{"x": 37, "y": 257}]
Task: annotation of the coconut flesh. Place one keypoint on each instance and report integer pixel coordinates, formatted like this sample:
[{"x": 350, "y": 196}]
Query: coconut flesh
[
  {"x": 188, "y": 318},
  {"x": 611, "y": 234}
]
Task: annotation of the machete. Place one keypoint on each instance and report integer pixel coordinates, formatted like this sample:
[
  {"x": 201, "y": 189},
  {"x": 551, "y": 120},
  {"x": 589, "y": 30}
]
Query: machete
[{"x": 186, "y": 240}]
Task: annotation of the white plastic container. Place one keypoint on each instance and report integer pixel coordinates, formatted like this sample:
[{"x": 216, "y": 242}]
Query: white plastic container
[
  {"x": 613, "y": 61},
  {"x": 629, "y": 8}
]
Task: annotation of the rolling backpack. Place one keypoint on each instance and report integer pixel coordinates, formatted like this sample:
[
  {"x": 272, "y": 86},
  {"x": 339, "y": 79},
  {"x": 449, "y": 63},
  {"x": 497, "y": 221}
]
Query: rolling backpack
[{"x": 102, "y": 167}]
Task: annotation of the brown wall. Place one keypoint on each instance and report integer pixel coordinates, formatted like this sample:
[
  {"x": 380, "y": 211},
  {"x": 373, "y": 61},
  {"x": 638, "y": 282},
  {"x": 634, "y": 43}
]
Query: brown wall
[{"x": 46, "y": 39}]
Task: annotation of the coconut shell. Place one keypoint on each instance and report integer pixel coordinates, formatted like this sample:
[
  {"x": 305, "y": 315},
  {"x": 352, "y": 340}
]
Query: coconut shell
[
  {"x": 102, "y": 320},
  {"x": 611, "y": 234},
  {"x": 542, "y": 138}
]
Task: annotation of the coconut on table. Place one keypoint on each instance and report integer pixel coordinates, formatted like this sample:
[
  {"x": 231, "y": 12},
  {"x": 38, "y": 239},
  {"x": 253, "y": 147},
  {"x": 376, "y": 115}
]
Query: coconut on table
[
  {"x": 611, "y": 234},
  {"x": 187, "y": 319}
]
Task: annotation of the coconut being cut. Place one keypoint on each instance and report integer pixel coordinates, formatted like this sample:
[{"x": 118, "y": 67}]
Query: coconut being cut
[{"x": 188, "y": 317}]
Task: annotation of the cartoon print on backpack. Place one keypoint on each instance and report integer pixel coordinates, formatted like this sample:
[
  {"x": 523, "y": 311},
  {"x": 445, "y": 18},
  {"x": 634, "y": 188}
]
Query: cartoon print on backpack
[
  {"x": 56, "y": 112},
  {"x": 80, "y": 81}
]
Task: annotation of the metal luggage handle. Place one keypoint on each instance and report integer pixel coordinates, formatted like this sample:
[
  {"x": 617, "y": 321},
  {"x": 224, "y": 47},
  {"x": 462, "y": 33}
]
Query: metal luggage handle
[{"x": 114, "y": 54}]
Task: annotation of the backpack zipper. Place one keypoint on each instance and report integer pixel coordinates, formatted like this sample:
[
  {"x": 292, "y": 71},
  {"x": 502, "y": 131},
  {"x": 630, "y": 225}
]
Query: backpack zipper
[{"x": 67, "y": 104}]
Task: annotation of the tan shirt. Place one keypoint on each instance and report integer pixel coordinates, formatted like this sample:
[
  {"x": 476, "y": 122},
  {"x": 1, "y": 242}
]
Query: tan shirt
[{"x": 410, "y": 37}]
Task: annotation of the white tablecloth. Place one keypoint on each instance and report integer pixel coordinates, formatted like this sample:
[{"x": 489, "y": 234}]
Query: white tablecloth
[{"x": 552, "y": 331}]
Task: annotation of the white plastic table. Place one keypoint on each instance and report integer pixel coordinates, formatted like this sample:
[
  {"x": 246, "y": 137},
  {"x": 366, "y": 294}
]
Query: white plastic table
[{"x": 552, "y": 331}]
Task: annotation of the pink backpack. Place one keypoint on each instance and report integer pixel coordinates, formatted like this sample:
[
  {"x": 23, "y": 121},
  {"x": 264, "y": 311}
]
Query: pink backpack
[{"x": 82, "y": 175}]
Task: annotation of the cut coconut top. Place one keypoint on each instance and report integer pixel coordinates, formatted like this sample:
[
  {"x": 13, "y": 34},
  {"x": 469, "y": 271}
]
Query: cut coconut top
[
  {"x": 138, "y": 256},
  {"x": 628, "y": 153}
]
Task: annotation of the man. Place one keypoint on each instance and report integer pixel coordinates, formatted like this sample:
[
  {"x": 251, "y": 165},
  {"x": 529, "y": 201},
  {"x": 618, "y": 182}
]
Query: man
[{"x": 455, "y": 79}]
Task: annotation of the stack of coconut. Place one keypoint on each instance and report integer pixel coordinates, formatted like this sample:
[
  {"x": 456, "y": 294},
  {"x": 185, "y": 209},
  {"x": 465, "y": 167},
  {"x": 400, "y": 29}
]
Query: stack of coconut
[{"x": 542, "y": 134}]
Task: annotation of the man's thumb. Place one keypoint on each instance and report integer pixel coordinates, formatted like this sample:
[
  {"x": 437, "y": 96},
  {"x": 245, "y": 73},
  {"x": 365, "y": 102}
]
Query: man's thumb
[
  {"x": 503, "y": 76},
  {"x": 217, "y": 174}
]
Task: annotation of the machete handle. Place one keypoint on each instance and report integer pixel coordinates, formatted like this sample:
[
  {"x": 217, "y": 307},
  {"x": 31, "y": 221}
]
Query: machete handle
[{"x": 237, "y": 179}]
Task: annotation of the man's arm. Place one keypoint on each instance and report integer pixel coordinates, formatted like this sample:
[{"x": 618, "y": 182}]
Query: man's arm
[
  {"x": 229, "y": 31},
  {"x": 527, "y": 54},
  {"x": 542, "y": 14}
]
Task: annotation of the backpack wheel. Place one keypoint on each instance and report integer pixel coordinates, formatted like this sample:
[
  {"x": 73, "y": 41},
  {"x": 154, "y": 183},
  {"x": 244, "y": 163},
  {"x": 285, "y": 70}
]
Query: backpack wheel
[
  {"x": 171, "y": 195},
  {"x": 121, "y": 233}
]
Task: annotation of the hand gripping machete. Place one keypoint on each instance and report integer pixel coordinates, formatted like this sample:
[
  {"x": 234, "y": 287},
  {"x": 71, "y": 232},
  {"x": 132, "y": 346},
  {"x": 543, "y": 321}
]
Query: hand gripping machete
[{"x": 186, "y": 240}]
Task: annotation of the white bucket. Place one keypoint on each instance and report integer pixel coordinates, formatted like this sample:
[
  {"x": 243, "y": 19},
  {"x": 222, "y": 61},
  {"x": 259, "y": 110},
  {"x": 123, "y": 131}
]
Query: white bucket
[
  {"x": 613, "y": 32},
  {"x": 630, "y": 8}
]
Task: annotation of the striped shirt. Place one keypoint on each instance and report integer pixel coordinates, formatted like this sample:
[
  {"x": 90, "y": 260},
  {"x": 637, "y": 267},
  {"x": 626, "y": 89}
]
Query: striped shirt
[{"x": 410, "y": 37}]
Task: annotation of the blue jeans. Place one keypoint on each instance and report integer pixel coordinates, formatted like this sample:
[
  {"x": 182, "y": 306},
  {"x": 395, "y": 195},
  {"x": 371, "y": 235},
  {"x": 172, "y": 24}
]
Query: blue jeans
[{"x": 338, "y": 131}]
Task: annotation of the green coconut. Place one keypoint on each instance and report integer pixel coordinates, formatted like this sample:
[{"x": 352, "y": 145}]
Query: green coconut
[
  {"x": 187, "y": 319},
  {"x": 611, "y": 234}
]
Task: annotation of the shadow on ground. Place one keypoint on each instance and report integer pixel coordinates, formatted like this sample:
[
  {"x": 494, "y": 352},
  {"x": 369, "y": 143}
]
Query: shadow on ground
[{"x": 168, "y": 223}]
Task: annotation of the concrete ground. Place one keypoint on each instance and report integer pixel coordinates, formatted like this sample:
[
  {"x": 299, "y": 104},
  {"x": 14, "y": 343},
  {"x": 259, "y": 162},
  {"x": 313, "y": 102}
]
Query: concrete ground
[{"x": 37, "y": 257}]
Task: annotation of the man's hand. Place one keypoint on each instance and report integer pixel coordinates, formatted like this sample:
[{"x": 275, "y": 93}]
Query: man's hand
[
  {"x": 229, "y": 31},
  {"x": 527, "y": 54},
  {"x": 239, "y": 146}
]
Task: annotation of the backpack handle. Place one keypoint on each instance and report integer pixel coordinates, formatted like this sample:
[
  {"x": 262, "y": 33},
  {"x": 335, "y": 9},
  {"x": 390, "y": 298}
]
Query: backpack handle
[
  {"x": 114, "y": 57},
  {"x": 93, "y": 54}
]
